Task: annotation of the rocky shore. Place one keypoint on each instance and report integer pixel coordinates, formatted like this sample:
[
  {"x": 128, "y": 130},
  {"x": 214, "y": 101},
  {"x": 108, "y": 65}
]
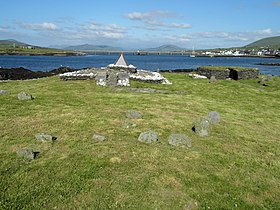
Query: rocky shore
[{"x": 24, "y": 74}]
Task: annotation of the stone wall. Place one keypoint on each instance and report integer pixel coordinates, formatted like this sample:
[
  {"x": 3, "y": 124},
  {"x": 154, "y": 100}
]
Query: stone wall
[
  {"x": 219, "y": 74},
  {"x": 244, "y": 74},
  {"x": 222, "y": 73}
]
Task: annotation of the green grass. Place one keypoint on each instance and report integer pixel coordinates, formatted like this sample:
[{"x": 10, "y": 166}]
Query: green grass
[{"x": 236, "y": 167}]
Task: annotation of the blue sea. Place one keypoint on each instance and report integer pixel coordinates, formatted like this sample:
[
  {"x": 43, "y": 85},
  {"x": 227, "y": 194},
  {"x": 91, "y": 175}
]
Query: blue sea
[{"x": 146, "y": 62}]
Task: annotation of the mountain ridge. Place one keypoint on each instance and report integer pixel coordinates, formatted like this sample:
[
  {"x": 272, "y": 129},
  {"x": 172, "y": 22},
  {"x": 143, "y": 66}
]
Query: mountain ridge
[
  {"x": 271, "y": 42},
  {"x": 93, "y": 47},
  {"x": 166, "y": 47}
]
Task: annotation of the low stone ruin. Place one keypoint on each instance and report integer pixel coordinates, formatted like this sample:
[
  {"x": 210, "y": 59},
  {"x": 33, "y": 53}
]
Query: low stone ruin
[
  {"x": 118, "y": 74},
  {"x": 112, "y": 77}
]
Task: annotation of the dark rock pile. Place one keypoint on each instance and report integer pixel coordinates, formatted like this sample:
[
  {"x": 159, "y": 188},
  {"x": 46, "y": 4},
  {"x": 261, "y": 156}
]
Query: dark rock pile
[{"x": 23, "y": 74}]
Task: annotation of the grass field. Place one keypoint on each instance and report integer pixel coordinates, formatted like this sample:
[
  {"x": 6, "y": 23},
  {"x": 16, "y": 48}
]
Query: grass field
[{"x": 236, "y": 167}]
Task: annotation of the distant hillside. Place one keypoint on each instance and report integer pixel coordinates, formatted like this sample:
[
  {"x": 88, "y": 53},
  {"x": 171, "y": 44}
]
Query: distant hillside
[
  {"x": 93, "y": 47},
  {"x": 271, "y": 42},
  {"x": 164, "y": 48},
  {"x": 11, "y": 42}
]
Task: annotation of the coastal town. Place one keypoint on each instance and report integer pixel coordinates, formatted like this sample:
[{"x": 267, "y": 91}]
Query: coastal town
[{"x": 242, "y": 52}]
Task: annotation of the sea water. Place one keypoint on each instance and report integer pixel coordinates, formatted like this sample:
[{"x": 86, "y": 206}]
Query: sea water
[{"x": 146, "y": 62}]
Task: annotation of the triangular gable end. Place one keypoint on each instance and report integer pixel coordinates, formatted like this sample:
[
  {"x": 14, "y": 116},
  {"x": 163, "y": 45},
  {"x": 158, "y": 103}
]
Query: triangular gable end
[{"x": 121, "y": 61}]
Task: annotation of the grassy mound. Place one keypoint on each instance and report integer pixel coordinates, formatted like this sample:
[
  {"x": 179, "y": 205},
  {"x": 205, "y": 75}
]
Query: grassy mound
[
  {"x": 237, "y": 166},
  {"x": 223, "y": 68}
]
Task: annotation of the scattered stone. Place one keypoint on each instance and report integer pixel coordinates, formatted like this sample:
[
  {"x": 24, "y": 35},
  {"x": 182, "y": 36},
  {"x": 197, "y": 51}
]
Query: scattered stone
[
  {"x": 150, "y": 90},
  {"x": 101, "y": 78},
  {"x": 123, "y": 79},
  {"x": 197, "y": 76},
  {"x": 44, "y": 137},
  {"x": 270, "y": 77},
  {"x": 24, "y": 96},
  {"x": 112, "y": 79},
  {"x": 180, "y": 140},
  {"x": 262, "y": 80},
  {"x": 132, "y": 114},
  {"x": 202, "y": 127},
  {"x": 129, "y": 124},
  {"x": 149, "y": 77},
  {"x": 214, "y": 117},
  {"x": 148, "y": 137},
  {"x": 98, "y": 137},
  {"x": 26, "y": 153},
  {"x": 213, "y": 79},
  {"x": 2, "y": 92}
]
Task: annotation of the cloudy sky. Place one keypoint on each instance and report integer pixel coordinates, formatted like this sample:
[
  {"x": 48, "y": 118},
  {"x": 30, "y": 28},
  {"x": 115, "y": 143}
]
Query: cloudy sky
[{"x": 140, "y": 24}]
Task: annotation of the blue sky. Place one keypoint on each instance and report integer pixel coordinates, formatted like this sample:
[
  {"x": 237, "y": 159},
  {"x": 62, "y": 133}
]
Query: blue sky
[{"x": 140, "y": 24}]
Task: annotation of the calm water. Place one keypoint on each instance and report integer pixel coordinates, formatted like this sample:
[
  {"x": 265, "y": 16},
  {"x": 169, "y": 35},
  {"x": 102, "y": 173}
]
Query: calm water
[{"x": 147, "y": 62}]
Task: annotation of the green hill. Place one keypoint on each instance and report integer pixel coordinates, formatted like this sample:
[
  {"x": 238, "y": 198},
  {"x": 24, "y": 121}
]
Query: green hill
[
  {"x": 164, "y": 48},
  {"x": 93, "y": 47},
  {"x": 271, "y": 42},
  {"x": 11, "y": 42}
]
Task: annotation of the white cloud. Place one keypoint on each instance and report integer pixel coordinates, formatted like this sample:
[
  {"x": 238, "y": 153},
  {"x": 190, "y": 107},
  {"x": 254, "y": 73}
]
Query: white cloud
[
  {"x": 266, "y": 31},
  {"x": 39, "y": 26},
  {"x": 4, "y": 29},
  {"x": 182, "y": 25},
  {"x": 156, "y": 14},
  {"x": 157, "y": 19}
]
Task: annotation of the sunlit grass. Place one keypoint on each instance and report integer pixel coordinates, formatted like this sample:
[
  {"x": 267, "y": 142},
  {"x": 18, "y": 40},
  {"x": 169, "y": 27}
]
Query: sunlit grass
[{"x": 236, "y": 167}]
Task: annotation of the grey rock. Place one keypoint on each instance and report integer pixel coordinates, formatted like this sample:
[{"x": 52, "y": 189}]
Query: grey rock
[
  {"x": 98, "y": 137},
  {"x": 269, "y": 77},
  {"x": 24, "y": 96},
  {"x": 213, "y": 79},
  {"x": 123, "y": 75},
  {"x": 101, "y": 78},
  {"x": 264, "y": 79},
  {"x": 202, "y": 127},
  {"x": 148, "y": 137},
  {"x": 112, "y": 79},
  {"x": 132, "y": 114},
  {"x": 44, "y": 137},
  {"x": 179, "y": 140},
  {"x": 26, "y": 153},
  {"x": 2, "y": 92},
  {"x": 123, "y": 79},
  {"x": 214, "y": 117}
]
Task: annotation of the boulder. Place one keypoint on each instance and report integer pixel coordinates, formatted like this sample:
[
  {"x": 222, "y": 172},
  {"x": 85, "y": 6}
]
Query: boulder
[
  {"x": 98, "y": 137},
  {"x": 2, "y": 92},
  {"x": 44, "y": 137},
  {"x": 24, "y": 96},
  {"x": 214, "y": 117},
  {"x": 26, "y": 153},
  {"x": 148, "y": 137},
  {"x": 202, "y": 127},
  {"x": 213, "y": 79},
  {"x": 132, "y": 114},
  {"x": 179, "y": 140}
]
